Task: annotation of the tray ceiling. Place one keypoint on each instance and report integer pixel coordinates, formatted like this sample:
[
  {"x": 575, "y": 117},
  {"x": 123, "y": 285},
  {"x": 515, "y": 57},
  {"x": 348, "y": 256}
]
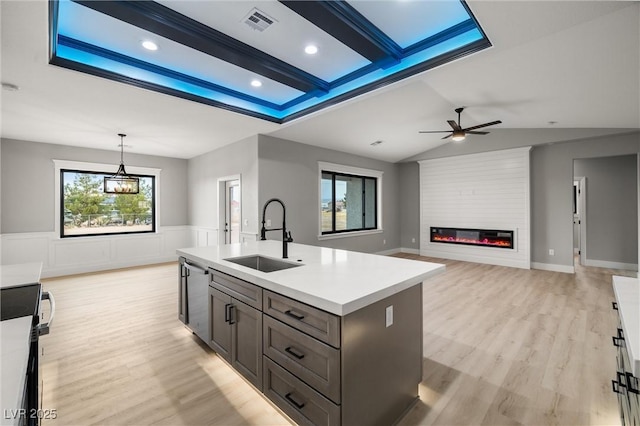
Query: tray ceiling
[{"x": 249, "y": 57}]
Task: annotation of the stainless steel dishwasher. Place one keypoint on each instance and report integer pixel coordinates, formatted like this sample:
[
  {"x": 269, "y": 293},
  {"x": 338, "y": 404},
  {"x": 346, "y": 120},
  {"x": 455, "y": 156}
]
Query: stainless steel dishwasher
[{"x": 197, "y": 289}]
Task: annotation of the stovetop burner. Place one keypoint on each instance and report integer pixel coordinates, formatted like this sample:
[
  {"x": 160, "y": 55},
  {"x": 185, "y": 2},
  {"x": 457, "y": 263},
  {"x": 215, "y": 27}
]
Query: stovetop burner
[{"x": 20, "y": 301}]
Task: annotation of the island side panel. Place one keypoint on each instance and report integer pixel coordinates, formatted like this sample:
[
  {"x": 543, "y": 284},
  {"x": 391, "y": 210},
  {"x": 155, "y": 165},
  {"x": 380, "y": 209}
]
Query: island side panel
[{"x": 382, "y": 366}]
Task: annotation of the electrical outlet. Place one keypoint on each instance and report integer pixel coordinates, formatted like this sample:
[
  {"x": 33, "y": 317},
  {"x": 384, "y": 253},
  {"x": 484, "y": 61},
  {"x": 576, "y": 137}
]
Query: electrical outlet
[
  {"x": 552, "y": 252},
  {"x": 246, "y": 222},
  {"x": 413, "y": 240},
  {"x": 268, "y": 222},
  {"x": 384, "y": 241},
  {"x": 389, "y": 316}
]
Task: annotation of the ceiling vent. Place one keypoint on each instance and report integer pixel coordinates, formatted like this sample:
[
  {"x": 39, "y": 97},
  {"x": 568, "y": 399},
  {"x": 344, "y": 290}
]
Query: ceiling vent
[{"x": 258, "y": 20}]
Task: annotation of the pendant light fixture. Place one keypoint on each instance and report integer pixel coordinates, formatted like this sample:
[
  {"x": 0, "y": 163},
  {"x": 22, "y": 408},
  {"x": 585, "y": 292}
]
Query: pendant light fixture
[{"x": 121, "y": 182}]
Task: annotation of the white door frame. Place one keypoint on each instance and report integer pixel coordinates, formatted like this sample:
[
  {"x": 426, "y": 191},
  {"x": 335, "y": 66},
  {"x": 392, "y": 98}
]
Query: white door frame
[
  {"x": 222, "y": 204},
  {"x": 582, "y": 212}
]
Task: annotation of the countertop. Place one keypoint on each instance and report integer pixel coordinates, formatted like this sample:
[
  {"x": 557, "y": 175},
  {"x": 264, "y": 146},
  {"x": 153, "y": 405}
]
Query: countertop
[
  {"x": 337, "y": 281},
  {"x": 15, "y": 338},
  {"x": 19, "y": 274},
  {"x": 627, "y": 292}
]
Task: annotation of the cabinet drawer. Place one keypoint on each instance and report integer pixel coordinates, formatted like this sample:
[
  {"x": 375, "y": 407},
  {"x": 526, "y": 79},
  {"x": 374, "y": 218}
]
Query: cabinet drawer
[
  {"x": 299, "y": 401},
  {"x": 315, "y": 322},
  {"x": 316, "y": 363},
  {"x": 239, "y": 289}
]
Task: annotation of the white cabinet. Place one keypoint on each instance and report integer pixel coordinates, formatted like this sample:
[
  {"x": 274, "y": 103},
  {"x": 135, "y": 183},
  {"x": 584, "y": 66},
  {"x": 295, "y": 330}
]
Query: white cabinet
[{"x": 626, "y": 340}]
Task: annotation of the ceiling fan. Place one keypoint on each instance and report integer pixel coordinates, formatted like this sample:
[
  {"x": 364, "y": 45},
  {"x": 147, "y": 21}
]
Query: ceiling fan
[{"x": 458, "y": 133}]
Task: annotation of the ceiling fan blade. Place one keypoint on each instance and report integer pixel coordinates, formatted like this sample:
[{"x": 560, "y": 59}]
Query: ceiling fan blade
[
  {"x": 477, "y": 133},
  {"x": 448, "y": 136},
  {"x": 434, "y": 131},
  {"x": 479, "y": 126},
  {"x": 453, "y": 125}
]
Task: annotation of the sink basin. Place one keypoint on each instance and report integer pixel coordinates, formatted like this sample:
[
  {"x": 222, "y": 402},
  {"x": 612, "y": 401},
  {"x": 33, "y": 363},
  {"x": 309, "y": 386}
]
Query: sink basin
[{"x": 262, "y": 263}]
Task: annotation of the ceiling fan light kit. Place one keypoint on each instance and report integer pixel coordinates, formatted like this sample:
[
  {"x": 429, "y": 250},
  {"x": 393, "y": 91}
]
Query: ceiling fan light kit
[{"x": 458, "y": 134}]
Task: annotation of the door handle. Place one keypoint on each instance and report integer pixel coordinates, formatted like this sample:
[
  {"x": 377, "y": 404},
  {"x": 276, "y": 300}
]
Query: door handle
[
  {"x": 228, "y": 313},
  {"x": 196, "y": 269},
  {"x": 231, "y": 319},
  {"x": 44, "y": 328}
]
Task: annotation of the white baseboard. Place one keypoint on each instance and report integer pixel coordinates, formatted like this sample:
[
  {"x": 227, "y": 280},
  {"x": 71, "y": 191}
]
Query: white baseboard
[
  {"x": 410, "y": 250},
  {"x": 388, "y": 252},
  {"x": 611, "y": 265},
  {"x": 552, "y": 267}
]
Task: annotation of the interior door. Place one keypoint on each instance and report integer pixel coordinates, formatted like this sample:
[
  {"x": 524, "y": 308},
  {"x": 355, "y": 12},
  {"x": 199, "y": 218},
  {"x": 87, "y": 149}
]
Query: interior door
[{"x": 233, "y": 209}]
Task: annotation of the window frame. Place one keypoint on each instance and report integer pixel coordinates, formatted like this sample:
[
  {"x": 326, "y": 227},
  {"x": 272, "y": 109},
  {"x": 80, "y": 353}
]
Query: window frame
[
  {"x": 95, "y": 168},
  {"x": 350, "y": 171}
]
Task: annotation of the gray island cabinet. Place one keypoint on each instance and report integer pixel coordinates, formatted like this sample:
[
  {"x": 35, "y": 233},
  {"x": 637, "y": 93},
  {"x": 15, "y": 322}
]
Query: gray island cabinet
[{"x": 336, "y": 340}]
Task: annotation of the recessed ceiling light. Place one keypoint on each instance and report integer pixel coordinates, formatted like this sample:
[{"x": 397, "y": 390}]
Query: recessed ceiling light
[
  {"x": 311, "y": 49},
  {"x": 376, "y": 143},
  {"x": 149, "y": 45},
  {"x": 256, "y": 83}
]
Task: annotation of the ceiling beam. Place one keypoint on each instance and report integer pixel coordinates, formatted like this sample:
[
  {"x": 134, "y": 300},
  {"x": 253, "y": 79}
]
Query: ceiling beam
[
  {"x": 172, "y": 25},
  {"x": 350, "y": 27}
]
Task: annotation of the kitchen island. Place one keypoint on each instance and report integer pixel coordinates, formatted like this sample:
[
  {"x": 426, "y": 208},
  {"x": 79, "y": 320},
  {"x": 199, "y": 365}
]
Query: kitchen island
[{"x": 335, "y": 339}]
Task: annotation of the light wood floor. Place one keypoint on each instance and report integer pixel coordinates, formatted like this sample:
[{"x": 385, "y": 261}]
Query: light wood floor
[{"x": 501, "y": 346}]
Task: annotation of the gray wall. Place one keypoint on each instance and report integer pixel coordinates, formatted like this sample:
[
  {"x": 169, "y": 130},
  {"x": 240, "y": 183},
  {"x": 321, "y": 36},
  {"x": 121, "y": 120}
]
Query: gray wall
[
  {"x": 28, "y": 192},
  {"x": 612, "y": 207},
  {"x": 289, "y": 171},
  {"x": 240, "y": 158},
  {"x": 551, "y": 184},
  {"x": 410, "y": 205}
]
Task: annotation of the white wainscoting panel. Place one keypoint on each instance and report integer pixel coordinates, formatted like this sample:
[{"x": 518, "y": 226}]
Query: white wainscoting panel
[
  {"x": 204, "y": 237},
  {"x": 481, "y": 191},
  {"x": 65, "y": 256}
]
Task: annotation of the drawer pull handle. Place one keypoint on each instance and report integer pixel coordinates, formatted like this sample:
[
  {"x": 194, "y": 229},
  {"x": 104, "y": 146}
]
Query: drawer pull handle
[
  {"x": 293, "y": 352},
  {"x": 616, "y": 341},
  {"x": 292, "y": 314},
  {"x": 614, "y": 305},
  {"x": 615, "y": 386},
  {"x": 630, "y": 387},
  {"x": 300, "y": 405}
]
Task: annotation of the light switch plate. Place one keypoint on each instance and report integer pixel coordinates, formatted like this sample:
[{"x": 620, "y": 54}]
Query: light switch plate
[{"x": 389, "y": 316}]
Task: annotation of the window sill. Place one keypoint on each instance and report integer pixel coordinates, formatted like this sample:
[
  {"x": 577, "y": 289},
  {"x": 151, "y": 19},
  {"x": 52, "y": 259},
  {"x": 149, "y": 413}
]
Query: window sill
[{"x": 349, "y": 234}]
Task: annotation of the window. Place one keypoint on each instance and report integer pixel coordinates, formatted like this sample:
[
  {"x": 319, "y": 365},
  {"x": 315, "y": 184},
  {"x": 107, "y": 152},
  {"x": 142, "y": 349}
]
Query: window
[
  {"x": 349, "y": 199},
  {"x": 86, "y": 210}
]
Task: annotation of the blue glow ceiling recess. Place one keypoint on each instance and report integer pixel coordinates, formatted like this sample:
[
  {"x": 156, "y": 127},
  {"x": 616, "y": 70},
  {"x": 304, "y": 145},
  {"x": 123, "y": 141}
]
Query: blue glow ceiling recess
[{"x": 275, "y": 60}]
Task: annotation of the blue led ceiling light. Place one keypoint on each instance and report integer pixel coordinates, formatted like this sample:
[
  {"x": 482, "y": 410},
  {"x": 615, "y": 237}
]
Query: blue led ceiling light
[{"x": 89, "y": 36}]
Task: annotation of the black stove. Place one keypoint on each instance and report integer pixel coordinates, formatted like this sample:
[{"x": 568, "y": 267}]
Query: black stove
[{"x": 20, "y": 301}]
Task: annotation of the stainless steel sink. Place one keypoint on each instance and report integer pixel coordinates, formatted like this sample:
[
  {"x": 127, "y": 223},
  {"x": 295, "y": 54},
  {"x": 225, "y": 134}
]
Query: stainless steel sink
[{"x": 262, "y": 263}]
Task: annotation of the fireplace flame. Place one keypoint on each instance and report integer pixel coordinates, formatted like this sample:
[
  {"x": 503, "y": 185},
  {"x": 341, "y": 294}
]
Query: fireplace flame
[{"x": 483, "y": 242}]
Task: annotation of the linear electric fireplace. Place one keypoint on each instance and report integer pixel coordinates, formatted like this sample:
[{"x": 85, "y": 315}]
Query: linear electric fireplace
[{"x": 473, "y": 237}]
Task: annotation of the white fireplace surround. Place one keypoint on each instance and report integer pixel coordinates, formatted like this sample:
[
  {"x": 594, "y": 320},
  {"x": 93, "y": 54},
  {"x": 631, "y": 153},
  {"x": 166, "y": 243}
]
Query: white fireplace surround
[{"x": 489, "y": 190}]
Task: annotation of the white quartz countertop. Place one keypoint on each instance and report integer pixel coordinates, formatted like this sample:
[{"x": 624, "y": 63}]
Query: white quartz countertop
[
  {"x": 337, "y": 281},
  {"x": 20, "y": 274},
  {"x": 627, "y": 292},
  {"x": 15, "y": 338}
]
